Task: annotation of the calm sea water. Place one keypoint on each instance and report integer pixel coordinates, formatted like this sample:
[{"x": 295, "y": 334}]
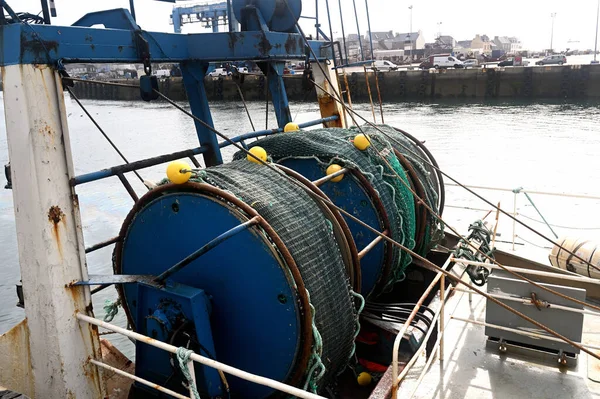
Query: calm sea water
[{"x": 540, "y": 146}]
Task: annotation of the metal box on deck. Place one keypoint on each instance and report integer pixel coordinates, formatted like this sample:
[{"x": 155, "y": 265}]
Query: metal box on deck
[{"x": 564, "y": 322}]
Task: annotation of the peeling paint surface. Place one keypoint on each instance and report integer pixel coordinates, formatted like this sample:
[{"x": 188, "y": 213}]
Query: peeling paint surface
[
  {"x": 15, "y": 360},
  {"x": 49, "y": 246}
]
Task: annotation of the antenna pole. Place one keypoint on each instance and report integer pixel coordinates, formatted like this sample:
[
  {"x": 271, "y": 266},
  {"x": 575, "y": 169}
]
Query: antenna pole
[
  {"x": 362, "y": 55},
  {"x": 343, "y": 31},
  {"x": 45, "y": 11},
  {"x": 370, "y": 32}
]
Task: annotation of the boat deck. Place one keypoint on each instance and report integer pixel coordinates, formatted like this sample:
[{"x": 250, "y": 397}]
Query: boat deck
[{"x": 474, "y": 368}]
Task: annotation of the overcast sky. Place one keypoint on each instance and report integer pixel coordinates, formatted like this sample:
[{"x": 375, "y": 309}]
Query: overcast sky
[{"x": 530, "y": 20}]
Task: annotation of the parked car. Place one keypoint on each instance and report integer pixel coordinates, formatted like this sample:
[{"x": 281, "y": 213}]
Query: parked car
[
  {"x": 511, "y": 62},
  {"x": 447, "y": 62},
  {"x": 553, "y": 59},
  {"x": 219, "y": 72},
  {"x": 385, "y": 66},
  {"x": 471, "y": 62},
  {"x": 441, "y": 62},
  {"x": 426, "y": 65}
]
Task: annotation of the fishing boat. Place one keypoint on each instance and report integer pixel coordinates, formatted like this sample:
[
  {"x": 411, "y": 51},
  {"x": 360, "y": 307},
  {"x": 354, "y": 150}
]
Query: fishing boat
[{"x": 316, "y": 264}]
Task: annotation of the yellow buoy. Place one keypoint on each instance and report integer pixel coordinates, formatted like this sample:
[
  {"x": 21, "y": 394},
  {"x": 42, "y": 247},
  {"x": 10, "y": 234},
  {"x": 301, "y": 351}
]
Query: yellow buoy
[
  {"x": 291, "y": 127},
  {"x": 175, "y": 174},
  {"x": 333, "y": 169},
  {"x": 361, "y": 142},
  {"x": 259, "y": 153},
  {"x": 364, "y": 379}
]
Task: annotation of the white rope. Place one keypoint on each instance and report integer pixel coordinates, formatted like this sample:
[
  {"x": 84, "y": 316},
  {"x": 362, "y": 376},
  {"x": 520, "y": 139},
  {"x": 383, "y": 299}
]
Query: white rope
[
  {"x": 558, "y": 226},
  {"x": 508, "y": 190},
  {"x": 183, "y": 356}
]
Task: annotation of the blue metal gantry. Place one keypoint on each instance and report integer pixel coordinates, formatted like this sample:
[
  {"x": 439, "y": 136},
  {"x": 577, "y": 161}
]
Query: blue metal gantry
[
  {"x": 269, "y": 37},
  {"x": 212, "y": 15}
]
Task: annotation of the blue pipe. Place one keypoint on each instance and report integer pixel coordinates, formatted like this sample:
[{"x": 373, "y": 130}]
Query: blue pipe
[
  {"x": 146, "y": 163},
  {"x": 212, "y": 244},
  {"x": 132, "y": 9},
  {"x": 269, "y": 132}
]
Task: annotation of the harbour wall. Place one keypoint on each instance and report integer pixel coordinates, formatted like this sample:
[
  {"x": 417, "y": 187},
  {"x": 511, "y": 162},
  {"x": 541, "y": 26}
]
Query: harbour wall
[{"x": 548, "y": 82}]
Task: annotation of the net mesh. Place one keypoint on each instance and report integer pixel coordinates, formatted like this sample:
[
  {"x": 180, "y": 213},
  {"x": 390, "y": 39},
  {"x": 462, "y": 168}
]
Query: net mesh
[
  {"x": 335, "y": 146},
  {"x": 310, "y": 240},
  {"x": 434, "y": 231}
]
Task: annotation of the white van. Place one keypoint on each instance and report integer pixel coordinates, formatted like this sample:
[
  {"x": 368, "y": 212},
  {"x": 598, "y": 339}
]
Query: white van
[
  {"x": 446, "y": 61},
  {"x": 385, "y": 66}
]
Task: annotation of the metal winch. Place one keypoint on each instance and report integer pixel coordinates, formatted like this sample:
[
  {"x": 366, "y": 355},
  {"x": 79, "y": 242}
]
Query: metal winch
[{"x": 259, "y": 273}]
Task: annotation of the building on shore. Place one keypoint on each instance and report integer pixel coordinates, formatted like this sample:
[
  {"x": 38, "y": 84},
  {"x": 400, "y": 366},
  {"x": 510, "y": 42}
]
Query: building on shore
[
  {"x": 510, "y": 45},
  {"x": 399, "y": 47}
]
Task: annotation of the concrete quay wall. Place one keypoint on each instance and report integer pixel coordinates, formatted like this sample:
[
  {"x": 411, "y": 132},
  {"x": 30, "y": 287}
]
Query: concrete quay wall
[{"x": 564, "y": 82}]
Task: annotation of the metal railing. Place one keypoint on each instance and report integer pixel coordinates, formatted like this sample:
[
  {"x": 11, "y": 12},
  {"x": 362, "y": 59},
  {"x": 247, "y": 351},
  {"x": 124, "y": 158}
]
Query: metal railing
[
  {"x": 440, "y": 317},
  {"x": 297, "y": 392},
  {"x": 437, "y": 318},
  {"x": 516, "y": 214}
]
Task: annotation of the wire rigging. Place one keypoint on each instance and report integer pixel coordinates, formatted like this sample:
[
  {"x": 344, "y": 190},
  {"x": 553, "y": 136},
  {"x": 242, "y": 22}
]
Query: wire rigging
[
  {"x": 425, "y": 262},
  {"x": 113, "y": 145},
  {"x": 423, "y": 202}
]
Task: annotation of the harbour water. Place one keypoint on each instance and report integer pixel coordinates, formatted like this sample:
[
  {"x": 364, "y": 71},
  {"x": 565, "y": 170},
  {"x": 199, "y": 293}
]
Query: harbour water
[{"x": 547, "y": 146}]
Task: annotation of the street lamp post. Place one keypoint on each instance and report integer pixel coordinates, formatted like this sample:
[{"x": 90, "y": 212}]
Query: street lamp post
[
  {"x": 439, "y": 32},
  {"x": 596, "y": 43},
  {"x": 553, "y": 16},
  {"x": 410, "y": 33}
]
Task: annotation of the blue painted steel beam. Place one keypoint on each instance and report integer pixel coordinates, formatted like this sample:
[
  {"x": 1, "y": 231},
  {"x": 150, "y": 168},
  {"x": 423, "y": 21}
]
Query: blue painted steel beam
[
  {"x": 261, "y": 133},
  {"x": 193, "y": 78},
  {"x": 206, "y": 248},
  {"x": 45, "y": 44},
  {"x": 281, "y": 105},
  {"x": 146, "y": 163}
]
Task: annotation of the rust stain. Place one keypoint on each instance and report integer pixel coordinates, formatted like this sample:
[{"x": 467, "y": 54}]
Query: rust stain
[
  {"x": 56, "y": 216},
  {"x": 264, "y": 47},
  {"x": 291, "y": 45},
  {"x": 17, "y": 371},
  {"x": 46, "y": 129},
  {"x": 40, "y": 49}
]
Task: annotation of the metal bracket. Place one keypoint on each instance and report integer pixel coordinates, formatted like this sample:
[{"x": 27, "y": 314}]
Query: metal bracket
[
  {"x": 8, "y": 177},
  {"x": 20, "y": 296},
  {"x": 159, "y": 312},
  {"x": 143, "y": 50},
  {"x": 252, "y": 19},
  {"x": 98, "y": 279}
]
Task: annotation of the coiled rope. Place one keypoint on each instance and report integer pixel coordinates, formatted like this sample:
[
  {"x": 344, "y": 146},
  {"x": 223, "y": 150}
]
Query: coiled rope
[
  {"x": 183, "y": 356},
  {"x": 111, "y": 309}
]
